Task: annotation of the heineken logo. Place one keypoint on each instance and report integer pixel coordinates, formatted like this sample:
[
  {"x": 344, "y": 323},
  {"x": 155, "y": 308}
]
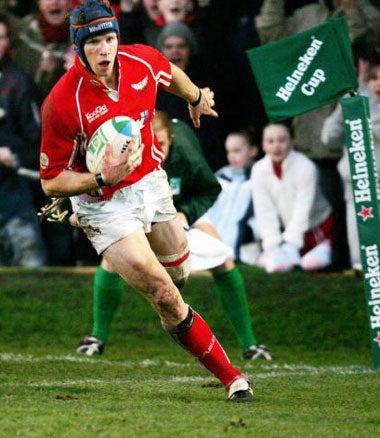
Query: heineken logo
[
  {"x": 307, "y": 88},
  {"x": 360, "y": 174},
  {"x": 377, "y": 339},
  {"x": 372, "y": 277},
  {"x": 366, "y": 213}
]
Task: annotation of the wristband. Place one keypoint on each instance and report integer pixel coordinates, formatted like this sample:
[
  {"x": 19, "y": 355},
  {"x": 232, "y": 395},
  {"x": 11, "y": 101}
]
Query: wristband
[
  {"x": 198, "y": 101},
  {"x": 99, "y": 180}
]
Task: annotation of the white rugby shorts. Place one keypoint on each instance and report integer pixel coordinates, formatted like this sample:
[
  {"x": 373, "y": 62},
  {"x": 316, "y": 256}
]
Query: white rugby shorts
[{"x": 133, "y": 207}]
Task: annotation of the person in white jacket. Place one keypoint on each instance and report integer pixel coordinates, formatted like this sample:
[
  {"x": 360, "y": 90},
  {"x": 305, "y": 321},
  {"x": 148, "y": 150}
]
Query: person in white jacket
[
  {"x": 333, "y": 132},
  {"x": 294, "y": 219}
]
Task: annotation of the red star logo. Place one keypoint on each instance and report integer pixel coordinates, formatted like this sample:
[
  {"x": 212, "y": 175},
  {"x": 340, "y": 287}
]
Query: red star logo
[
  {"x": 377, "y": 339},
  {"x": 366, "y": 213}
]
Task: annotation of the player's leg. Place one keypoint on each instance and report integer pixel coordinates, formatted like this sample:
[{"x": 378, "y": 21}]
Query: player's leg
[
  {"x": 169, "y": 242},
  {"x": 134, "y": 259},
  {"x": 232, "y": 295},
  {"x": 108, "y": 290}
]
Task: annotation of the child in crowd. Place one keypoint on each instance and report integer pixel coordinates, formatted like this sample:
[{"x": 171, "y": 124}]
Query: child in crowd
[
  {"x": 232, "y": 212},
  {"x": 293, "y": 217}
]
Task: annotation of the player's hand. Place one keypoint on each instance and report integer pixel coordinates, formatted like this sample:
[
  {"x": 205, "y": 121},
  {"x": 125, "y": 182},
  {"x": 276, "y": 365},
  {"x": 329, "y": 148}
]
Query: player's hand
[
  {"x": 116, "y": 169},
  {"x": 58, "y": 210},
  {"x": 205, "y": 107}
]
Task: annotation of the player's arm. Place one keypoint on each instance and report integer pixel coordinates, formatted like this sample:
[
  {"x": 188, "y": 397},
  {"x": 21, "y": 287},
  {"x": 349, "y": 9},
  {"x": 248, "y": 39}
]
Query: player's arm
[
  {"x": 70, "y": 183},
  {"x": 200, "y": 100}
]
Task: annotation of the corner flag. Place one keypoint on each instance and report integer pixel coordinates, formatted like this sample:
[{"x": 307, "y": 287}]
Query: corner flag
[
  {"x": 309, "y": 70},
  {"x": 304, "y": 71}
]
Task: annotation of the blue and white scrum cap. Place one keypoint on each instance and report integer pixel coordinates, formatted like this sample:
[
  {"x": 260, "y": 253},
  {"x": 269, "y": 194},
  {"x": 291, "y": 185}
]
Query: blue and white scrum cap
[{"x": 91, "y": 18}]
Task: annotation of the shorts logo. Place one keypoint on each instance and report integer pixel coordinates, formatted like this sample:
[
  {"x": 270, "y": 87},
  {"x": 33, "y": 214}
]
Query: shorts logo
[
  {"x": 140, "y": 85},
  {"x": 98, "y": 112}
]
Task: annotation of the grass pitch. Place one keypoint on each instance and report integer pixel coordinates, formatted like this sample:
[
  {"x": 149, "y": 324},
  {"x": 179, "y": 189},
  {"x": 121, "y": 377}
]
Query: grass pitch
[{"x": 321, "y": 384}]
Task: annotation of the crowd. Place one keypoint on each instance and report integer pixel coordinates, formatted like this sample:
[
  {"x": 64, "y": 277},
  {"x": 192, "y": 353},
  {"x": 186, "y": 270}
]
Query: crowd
[{"x": 268, "y": 211}]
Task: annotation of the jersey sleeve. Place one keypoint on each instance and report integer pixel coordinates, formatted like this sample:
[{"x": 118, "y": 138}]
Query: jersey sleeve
[
  {"x": 157, "y": 62},
  {"x": 57, "y": 145}
]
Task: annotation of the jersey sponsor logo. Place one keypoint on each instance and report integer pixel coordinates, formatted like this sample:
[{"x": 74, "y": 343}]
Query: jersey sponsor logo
[
  {"x": 98, "y": 112},
  {"x": 140, "y": 85}
]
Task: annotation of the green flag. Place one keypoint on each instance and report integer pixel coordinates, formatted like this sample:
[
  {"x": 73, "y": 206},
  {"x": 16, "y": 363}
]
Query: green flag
[{"x": 304, "y": 71}]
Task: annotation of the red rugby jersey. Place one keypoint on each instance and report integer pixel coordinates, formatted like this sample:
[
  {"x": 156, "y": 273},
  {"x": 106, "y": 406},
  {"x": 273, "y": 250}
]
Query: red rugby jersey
[{"x": 78, "y": 105}]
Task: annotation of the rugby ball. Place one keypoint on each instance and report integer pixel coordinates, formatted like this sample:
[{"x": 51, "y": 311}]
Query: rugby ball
[{"x": 119, "y": 131}]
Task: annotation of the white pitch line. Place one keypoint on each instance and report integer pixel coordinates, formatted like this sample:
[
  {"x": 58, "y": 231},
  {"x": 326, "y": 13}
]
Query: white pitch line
[
  {"x": 146, "y": 363},
  {"x": 192, "y": 379},
  {"x": 272, "y": 370}
]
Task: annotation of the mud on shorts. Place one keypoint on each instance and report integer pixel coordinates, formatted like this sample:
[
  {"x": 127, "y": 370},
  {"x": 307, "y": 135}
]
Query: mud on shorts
[{"x": 131, "y": 208}]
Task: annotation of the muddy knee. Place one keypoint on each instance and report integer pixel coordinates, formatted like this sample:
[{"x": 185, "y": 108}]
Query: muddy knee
[{"x": 177, "y": 266}]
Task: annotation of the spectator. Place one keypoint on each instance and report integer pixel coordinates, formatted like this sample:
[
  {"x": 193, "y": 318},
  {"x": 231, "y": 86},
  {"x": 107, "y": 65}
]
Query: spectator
[
  {"x": 225, "y": 30},
  {"x": 170, "y": 11},
  {"x": 333, "y": 132},
  {"x": 178, "y": 43},
  {"x": 151, "y": 9},
  {"x": 293, "y": 217},
  {"x": 39, "y": 41},
  {"x": 281, "y": 18},
  {"x": 232, "y": 212},
  {"x": 114, "y": 4},
  {"x": 17, "y": 8},
  {"x": 143, "y": 21},
  {"x": 194, "y": 188},
  {"x": 20, "y": 239},
  {"x": 133, "y": 20}
]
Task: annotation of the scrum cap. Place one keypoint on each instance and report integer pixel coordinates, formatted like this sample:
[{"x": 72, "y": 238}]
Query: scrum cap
[{"x": 91, "y": 18}]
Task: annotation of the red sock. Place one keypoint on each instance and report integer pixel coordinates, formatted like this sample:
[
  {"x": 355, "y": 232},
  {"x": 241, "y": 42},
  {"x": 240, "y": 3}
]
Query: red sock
[{"x": 195, "y": 336}]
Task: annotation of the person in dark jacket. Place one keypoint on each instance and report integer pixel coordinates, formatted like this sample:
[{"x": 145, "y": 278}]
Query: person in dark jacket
[{"x": 21, "y": 243}]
